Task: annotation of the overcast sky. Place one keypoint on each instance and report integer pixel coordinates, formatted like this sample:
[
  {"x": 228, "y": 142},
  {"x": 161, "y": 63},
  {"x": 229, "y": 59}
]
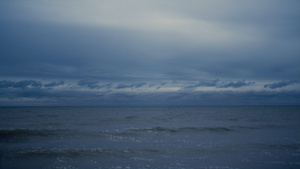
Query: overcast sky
[{"x": 134, "y": 52}]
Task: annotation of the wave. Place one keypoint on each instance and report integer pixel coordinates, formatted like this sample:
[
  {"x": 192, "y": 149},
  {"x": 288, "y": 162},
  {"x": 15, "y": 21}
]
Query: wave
[
  {"x": 84, "y": 152},
  {"x": 17, "y": 133},
  {"x": 258, "y": 127},
  {"x": 5, "y": 133},
  {"x": 8, "y": 134},
  {"x": 283, "y": 146},
  {"x": 200, "y": 129},
  {"x": 180, "y": 129},
  {"x": 75, "y": 152}
]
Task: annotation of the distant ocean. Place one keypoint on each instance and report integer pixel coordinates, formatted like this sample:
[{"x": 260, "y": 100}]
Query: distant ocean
[{"x": 150, "y": 137}]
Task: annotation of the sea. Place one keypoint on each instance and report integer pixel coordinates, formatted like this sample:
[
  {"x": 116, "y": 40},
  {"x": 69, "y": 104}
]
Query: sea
[{"x": 238, "y": 137}]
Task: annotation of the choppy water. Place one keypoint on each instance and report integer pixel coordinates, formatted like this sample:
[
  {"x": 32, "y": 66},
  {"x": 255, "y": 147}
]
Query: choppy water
[{"x": 150, "y": 137}]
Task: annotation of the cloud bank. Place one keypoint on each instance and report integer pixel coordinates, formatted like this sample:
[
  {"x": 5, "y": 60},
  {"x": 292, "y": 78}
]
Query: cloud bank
[
  {"x": 280, "y": 84},
  {"x": 135, "y": 49}
]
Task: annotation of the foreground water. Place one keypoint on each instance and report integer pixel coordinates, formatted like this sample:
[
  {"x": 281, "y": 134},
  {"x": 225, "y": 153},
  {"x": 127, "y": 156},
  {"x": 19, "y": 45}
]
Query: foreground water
[{"x": 150, "y": 137}]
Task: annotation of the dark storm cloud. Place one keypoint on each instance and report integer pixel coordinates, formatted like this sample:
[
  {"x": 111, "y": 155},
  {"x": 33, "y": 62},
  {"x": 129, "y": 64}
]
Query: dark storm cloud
[
  {"x": 20, "y": 84},
  {"x": 19, "y": 93},
  {"x": 122, "y": 86},
  {"x": 235, "y": 84},
  {"x": 53, "y": 84},
  {"x": 221, "y": 84},
  {"x": 6, "y": 84},
  {"x": 26, "y": 83},
  {"x": 134, "y": 85},
  {"x": 90, "y": 83},
  {"x": 280, "y": 84},
  {"x": 160, "y": 85},
  {"x": 208, "y": 84},
  {"x": 23, "y": 84},
  {"x": 205, "y": 84},
  {"x": 138, "y": 85}
]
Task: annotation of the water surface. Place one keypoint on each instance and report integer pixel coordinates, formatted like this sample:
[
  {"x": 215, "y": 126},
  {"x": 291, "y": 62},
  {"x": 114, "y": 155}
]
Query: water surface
[{"x": 150, "y": 137}]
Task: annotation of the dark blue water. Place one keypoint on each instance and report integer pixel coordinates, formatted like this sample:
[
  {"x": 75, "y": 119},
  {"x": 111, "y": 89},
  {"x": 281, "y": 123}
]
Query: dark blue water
[{"x": 150, "y": 137}]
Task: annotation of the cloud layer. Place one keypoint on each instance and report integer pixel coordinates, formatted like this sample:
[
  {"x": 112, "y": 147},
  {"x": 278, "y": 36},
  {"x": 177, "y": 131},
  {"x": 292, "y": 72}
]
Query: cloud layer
[{"x": 148, "y": 48}]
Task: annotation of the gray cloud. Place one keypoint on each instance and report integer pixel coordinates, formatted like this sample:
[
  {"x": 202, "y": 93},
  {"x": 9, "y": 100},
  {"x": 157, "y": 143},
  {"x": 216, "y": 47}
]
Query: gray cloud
[
  {"x": 52, "y": 84},
  {"x": 280, "y": 84},
  {"x": 208, "y": 84},
  {"x": 58, "y": 49},
  {"x": 237, "y": 84},
  {"x": 6, "y": 84},
  {"x": 20, "y": 84},
  {"x": 143, "y": 43},
  {"x": 122, "y": 86},
  {"x": 204, "y": 84},
  {"x": 133, "y": 85},
  {"x": 138, "y": 85},
  {"x": 221, "y": 84},
  {"x": 32, "y": 84},
  {"x": 90, "y": 83},
  {"x": 160, "y": 85},
  {"x": 181, "y": 98}
]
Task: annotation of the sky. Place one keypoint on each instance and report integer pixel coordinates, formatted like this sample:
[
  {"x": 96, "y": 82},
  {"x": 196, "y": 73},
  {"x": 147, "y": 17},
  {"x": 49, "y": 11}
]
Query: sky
[{"x": 149, "y": 53}]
